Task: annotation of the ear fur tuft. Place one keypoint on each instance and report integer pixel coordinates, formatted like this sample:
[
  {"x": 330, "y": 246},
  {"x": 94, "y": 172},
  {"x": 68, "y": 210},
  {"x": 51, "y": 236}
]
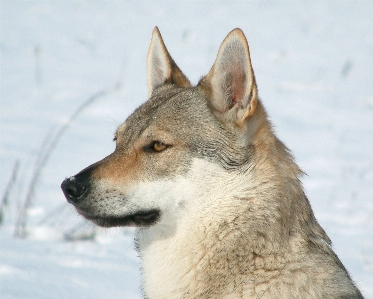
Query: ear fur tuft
[{"x": 231, "y": 83}]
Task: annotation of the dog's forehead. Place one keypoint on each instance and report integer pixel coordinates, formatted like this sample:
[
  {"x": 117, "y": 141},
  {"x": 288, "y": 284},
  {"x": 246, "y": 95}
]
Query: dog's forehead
[{"x": 169, "y": 106}]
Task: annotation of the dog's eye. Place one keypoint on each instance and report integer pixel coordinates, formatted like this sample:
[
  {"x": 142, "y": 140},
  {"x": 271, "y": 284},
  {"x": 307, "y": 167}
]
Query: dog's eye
[
  {"x": 159, "y": 146},
  {"x": 156, "y": 147}
]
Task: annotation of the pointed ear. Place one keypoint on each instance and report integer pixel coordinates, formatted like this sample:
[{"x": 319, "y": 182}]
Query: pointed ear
[
  {"x": 230, "y": 84},
  {"x": 161, "y": 67}
]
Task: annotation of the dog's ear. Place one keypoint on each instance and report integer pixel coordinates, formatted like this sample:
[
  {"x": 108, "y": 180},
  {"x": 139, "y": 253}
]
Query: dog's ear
[
  {"x": 230, "y": 84},
  {"x": 161, "y": 67}
]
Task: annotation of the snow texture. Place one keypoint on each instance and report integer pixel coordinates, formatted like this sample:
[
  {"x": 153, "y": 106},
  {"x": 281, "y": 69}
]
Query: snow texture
[{"x": 313, "y": 62}]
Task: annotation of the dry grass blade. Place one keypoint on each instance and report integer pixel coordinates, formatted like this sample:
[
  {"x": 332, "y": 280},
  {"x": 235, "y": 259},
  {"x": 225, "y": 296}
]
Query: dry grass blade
[{"x": 8, "y": 190}]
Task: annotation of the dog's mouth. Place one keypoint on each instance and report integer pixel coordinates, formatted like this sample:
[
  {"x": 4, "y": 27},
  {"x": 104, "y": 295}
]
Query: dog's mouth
[{"x": 138, "y": 219}]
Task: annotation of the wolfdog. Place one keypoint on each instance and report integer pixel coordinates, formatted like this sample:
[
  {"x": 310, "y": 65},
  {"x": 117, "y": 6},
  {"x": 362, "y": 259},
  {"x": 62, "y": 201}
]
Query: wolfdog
[{"x": 215, "y": 195}]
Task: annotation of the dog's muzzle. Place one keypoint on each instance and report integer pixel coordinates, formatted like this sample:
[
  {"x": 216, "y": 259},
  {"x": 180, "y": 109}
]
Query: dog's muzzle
[{"x": 74, "y": 188}]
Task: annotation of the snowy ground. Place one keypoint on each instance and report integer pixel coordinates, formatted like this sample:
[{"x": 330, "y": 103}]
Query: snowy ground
[{"x": 314, "y": 66}]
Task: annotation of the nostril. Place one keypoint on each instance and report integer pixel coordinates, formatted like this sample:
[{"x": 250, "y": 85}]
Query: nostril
[
  {"x": 73, "y": 189},
  {"x": 70, "y": 192}
]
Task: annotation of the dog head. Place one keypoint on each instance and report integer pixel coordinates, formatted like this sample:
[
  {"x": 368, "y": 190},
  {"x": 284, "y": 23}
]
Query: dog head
[{"x": 179, "y": 146}]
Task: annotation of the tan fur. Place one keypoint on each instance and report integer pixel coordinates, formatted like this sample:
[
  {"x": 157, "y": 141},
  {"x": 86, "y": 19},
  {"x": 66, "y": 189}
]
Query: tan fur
[{"x": 220, "y": 210}]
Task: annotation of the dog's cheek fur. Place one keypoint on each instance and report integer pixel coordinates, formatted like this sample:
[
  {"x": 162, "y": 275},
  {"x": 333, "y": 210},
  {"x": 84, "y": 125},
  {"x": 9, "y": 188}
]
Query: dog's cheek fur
[
  {"x": 127, "y": 183},
  {"x": 208, "y": 208}
]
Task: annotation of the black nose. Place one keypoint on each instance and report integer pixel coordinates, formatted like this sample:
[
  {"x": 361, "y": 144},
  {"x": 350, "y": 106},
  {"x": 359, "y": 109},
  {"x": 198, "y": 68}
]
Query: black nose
[{"x": 73, "y": 189}]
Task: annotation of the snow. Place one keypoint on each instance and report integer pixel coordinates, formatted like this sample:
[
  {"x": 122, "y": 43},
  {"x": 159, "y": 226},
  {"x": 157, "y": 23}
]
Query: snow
[{"x": 313, "y": 62}]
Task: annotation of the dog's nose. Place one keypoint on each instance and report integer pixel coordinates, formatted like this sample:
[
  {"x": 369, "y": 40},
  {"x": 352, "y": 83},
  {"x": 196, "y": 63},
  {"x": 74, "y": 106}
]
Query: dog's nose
[{"x": 73, "y": 189}]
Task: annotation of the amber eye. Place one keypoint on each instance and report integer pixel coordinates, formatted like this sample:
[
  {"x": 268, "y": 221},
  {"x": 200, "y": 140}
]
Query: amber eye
[
  {"x": 156, "y": 147},
  {"x": 159, "y": 146}
]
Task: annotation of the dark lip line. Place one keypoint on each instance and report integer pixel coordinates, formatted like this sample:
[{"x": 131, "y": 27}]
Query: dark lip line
[{"x": 136, "y": 219}]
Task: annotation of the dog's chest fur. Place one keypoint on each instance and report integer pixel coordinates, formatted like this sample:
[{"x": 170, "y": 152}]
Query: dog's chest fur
[
  {"x": 200, "y": 263},
  {"x": 216, "y": 261}
]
